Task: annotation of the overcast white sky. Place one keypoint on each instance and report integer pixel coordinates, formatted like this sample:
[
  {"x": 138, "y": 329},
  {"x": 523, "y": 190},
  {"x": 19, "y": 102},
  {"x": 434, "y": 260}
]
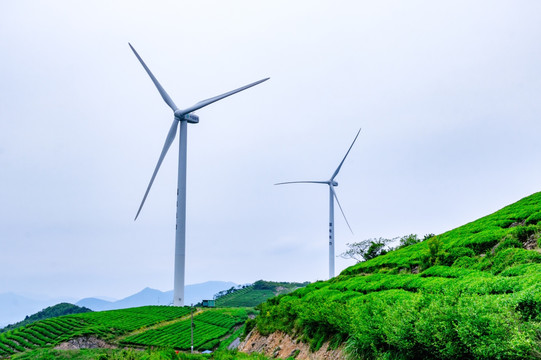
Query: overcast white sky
[{"x": 447, "y": 95}]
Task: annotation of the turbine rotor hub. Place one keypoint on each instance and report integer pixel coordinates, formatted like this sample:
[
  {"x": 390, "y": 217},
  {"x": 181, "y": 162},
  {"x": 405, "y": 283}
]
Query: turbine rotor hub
[
  {"x": 191, "y": 118},
  {"x": 334, "y": 183}
]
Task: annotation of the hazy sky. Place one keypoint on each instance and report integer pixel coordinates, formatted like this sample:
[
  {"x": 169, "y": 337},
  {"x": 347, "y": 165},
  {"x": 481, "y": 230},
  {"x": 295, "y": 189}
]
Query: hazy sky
[{"x": 447, "y": 94}]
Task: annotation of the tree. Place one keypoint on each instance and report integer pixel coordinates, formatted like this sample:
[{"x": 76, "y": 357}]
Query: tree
[
  {"x": 412, "y": 239},
  {"x": 408, "y": 240},
  {"x": 367, "y": 249},
  {"x": 428, "y": 236}
]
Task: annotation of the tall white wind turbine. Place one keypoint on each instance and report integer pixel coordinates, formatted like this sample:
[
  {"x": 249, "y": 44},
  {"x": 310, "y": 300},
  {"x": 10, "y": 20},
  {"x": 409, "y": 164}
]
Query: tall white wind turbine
[
  {"x": 332, "y": 195},
  {"x": 182, "y": 116}
]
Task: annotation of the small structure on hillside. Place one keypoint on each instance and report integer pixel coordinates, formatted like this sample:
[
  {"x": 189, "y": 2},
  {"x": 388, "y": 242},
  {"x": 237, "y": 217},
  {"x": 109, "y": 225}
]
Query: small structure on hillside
[{"x": 209, "y": 303}]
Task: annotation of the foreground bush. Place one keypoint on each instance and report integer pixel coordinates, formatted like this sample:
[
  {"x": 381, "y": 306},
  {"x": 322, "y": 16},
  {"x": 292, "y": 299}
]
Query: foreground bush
[{"x": 471, "y": 293}]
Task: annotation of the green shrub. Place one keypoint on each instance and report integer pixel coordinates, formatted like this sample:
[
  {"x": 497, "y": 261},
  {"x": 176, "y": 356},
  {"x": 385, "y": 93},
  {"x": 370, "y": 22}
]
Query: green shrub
[
  {"x": 435, "y": 254},
  {"x": 512, "y": 256},
  {"x": 533, "y": 219},
  {"x": 529, "y": 309},
  {"x": 522, "y": 233},
  {"x": 435, "y": 331},
  {"x": 465, "y": 262},
  {"x": 529, "y": 305},
  {"x": 209, "y": 345},
  {"x": 278, "y": 316},
  {"x": 461, "y": 251},
  {"x": 321, "y": 320},
  {"x": 507, "y": 243},
  {"x": 482, "y": 245},
  {"x": 521, "y": 269},
  {"x": 483, "y": 322},
  {"x": 428, "y": 326},
  {"x": 450, "y": 256},
  {"x": 504, "y": 223},
  {"x": 250, "y": 324},
  {"x": 450, "y": 272}
]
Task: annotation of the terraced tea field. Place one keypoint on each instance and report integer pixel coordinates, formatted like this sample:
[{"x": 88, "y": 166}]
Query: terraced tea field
[
  {"x": 164, "y": 326},
  {"x": 209, "y": 327}
]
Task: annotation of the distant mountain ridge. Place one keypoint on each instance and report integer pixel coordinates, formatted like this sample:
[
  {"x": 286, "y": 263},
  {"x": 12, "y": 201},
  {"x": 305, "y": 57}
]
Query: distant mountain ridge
[
  {"x": 193, "y": 294},
  {"x": 47, "y": 313},
  {"x": 15, "y": 307}
]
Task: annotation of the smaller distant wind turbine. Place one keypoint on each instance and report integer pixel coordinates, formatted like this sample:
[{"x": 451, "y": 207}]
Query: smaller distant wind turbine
[{"x": 332, "y": 195}]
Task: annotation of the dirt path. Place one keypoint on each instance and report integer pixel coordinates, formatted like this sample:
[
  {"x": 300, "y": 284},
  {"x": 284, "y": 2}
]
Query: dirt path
[{"x": 159, "y": 325}]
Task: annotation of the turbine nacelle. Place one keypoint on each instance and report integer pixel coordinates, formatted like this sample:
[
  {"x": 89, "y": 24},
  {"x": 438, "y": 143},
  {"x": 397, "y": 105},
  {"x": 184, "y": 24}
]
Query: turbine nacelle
[
  {"x": 333, "y": 183},
  {"x": 191, "y": 118}
]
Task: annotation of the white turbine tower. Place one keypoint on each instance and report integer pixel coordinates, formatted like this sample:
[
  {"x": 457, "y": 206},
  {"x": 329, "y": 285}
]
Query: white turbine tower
[
  {"x": 332, "y": 195},
  {"x": 182, "y": 116}
]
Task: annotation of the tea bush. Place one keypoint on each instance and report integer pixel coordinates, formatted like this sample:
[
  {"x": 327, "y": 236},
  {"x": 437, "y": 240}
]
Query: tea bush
[{"x": 471, "y": 293}]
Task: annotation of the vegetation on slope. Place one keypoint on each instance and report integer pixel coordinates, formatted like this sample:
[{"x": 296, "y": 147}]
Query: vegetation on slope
[
  {"x": 130, "y": 354},
  {"x": 470, "y": 293},
  {"x": 148, "y": 326},
  {"x": 163, "y": 327},
  {"x": 255, "y": 294},
  {"x": 106, "y": 325},
  {"x": 210, "y": 327},
  {"x": 49, "y": 312}
]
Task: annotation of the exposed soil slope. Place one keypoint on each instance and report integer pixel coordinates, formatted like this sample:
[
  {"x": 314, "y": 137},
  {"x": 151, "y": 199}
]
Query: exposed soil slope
[{"x": 282, "y": 346}]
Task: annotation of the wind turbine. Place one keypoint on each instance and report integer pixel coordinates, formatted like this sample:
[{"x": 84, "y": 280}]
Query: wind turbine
[
  {"x": 332, "y": 195},
  {"x": 182, "y": 116}
]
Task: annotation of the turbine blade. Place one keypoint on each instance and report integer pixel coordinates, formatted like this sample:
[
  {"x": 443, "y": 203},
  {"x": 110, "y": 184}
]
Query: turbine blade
[
  {"x": 163, "y": 93},
  {"x": 168, "y": 140},
  {"x": 339, "y": 166},
  {"x": 340, "y": 206},
  {"x": 303, "y": 182},
  {"x": 206, "y": 102}
]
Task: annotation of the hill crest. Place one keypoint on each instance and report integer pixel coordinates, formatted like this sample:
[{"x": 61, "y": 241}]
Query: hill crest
[
  {"x": 471, "y": 292},
  {"x": 148, "y": 296},
  {"x": 254, "y": 294}
]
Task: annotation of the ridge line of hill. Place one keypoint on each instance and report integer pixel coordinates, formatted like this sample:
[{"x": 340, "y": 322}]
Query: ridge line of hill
[{"x": 471, "y": 292}]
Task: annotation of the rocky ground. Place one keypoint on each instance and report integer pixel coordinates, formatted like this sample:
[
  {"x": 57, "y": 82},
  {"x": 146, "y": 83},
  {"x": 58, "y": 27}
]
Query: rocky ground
[
  {"x": 83, "y": 342},
  {"x": 281, "y": 346}
]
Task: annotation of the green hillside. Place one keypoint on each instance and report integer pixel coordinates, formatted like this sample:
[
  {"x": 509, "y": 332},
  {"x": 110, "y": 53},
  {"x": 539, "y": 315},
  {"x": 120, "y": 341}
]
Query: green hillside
[
  {"x": 471, "y": 293},
  {"x": 49, "y": 312},
  {"x": 148, "y": 327},
  {"x": 255, "y": 294},
  {"x": 132, "y": 354},
  {"x": 143, "y": 327}
]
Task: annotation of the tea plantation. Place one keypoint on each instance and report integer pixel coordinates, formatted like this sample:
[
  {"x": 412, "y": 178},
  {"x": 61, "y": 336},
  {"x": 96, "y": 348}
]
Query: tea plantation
[
  {"x": 471, "y": 293},
  {"x": 255, "y": 294},
  {"x": 209, "y": 327},
  {"x": 149, "y": 326}
]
